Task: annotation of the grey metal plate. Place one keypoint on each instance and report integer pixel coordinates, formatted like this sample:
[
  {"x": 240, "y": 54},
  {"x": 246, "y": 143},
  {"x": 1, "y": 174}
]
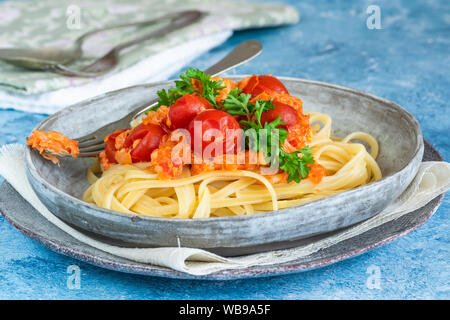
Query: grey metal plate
[
  {"x": 26, "y": 219},
  {"x": 401, "y": 149}
]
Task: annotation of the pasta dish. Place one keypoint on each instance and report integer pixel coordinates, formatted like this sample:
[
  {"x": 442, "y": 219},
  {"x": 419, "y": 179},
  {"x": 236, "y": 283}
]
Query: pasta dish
[{"x": 213, "y": 147}]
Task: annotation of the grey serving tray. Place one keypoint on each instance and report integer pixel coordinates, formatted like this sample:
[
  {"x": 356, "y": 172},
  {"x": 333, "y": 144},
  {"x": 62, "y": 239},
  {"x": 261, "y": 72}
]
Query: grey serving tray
[
  {"x": 397, "y": 131},
  {"x": 30, "y": 222}
]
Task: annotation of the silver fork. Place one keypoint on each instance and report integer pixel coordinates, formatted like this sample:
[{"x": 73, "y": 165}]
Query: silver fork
[
  {"x": 107, "y": 62},
  {"x": 92, "y": 144}
]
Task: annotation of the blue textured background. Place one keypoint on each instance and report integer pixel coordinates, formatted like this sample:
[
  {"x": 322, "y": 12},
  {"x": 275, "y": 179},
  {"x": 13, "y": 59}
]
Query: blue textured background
[{"x": 407, "y": 61}]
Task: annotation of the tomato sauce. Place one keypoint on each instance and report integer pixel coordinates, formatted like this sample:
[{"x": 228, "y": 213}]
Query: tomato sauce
[{"x": 150, "y": 140}]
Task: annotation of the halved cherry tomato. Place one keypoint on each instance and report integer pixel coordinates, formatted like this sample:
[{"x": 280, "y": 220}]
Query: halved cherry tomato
[
  {"x": 221, "y": 121},
  {"x": 267, "y": 83},
  {"x": 185, "y": 109},
  {"x": 110, "y": 147},
  {"x": 110, "y": 151},
  {"x": 144, "y": 149},
  {"x": 151, "y": 136},
  {"x": 139, "y": 132},
  {"x": 288, "y": 115}
]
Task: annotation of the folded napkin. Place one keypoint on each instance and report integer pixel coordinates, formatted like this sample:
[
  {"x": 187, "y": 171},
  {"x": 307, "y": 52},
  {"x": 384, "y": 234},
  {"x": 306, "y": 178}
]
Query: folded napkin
[
  {"x": 57, "y": 23},
  {"x": 432, "y": 179}
]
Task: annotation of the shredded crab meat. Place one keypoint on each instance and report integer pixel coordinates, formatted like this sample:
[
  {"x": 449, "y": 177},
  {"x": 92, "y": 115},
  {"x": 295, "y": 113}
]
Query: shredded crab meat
[
  {"x": 158, "y": 117},
  {"x": 223, "y": 93},
  {"x": 169, "y": 164},
  {"x": 52, "y": 145}
]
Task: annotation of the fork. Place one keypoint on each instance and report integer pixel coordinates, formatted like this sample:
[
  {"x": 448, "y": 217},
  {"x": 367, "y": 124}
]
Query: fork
[
  {"x": 92, "y": 144},
  {"x": 107, "y": 62},
  {"x": 57, "y": 59}
]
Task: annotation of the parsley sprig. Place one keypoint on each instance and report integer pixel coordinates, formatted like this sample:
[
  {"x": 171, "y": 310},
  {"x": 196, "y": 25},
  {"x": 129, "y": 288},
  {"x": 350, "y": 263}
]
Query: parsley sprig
[
  {"x": 296, "y": 164},
  {"x": 237, "y": 104},
  {"x": 184, "y": 86}
]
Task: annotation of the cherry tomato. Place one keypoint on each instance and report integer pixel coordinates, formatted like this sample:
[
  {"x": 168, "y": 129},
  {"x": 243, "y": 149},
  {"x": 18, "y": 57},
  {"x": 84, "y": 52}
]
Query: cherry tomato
[
  {"x": 110, "y": 147},
  {"x": 151, "y": 136},
  {"x": 288, "y": 115},
  {"x": 144, "y": 149},
  {"x": 185, "y": 109},
  {"x": 221, "y": 121},
  {"x": 110, "y": 151},
  {"x": 139, "y": 132},
  {"x": 267, "y": 83}
]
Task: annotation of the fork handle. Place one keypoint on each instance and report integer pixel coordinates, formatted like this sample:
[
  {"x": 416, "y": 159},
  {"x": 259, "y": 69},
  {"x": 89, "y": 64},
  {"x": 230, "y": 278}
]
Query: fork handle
[
  {"x": 160, "y": 19},
  {"x": 178, "y": 21},
  {"x": 244, "y": 52}
]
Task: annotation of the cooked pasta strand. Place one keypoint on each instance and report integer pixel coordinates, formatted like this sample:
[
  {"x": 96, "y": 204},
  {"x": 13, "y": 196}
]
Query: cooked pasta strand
[{"x": 136, "y": 189}]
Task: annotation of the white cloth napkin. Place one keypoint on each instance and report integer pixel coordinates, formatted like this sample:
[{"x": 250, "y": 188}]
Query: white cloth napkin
[
  {"x": 154, "y": 68},
  {"x": 432, "y": 179},
  {"x": 57, "y": 23}
]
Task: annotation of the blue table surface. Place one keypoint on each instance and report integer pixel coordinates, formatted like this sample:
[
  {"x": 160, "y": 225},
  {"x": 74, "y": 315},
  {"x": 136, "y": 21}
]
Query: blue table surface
[{"x": 407, "y": 61}]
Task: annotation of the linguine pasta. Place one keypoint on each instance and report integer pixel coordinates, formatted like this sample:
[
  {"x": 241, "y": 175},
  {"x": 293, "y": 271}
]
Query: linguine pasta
[{"x": 136, "y": 189}]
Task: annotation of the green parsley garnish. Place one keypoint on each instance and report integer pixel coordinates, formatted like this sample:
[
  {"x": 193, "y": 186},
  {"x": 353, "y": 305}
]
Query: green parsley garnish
[
  {"x": 184, "y": 86},
  {"x": 296, "y": 164},
  {"x": 237, "y": 104}
]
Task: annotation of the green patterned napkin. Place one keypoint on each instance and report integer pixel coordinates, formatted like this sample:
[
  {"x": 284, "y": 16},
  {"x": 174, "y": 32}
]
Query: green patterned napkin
[{"x": 57, "y": 23}]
